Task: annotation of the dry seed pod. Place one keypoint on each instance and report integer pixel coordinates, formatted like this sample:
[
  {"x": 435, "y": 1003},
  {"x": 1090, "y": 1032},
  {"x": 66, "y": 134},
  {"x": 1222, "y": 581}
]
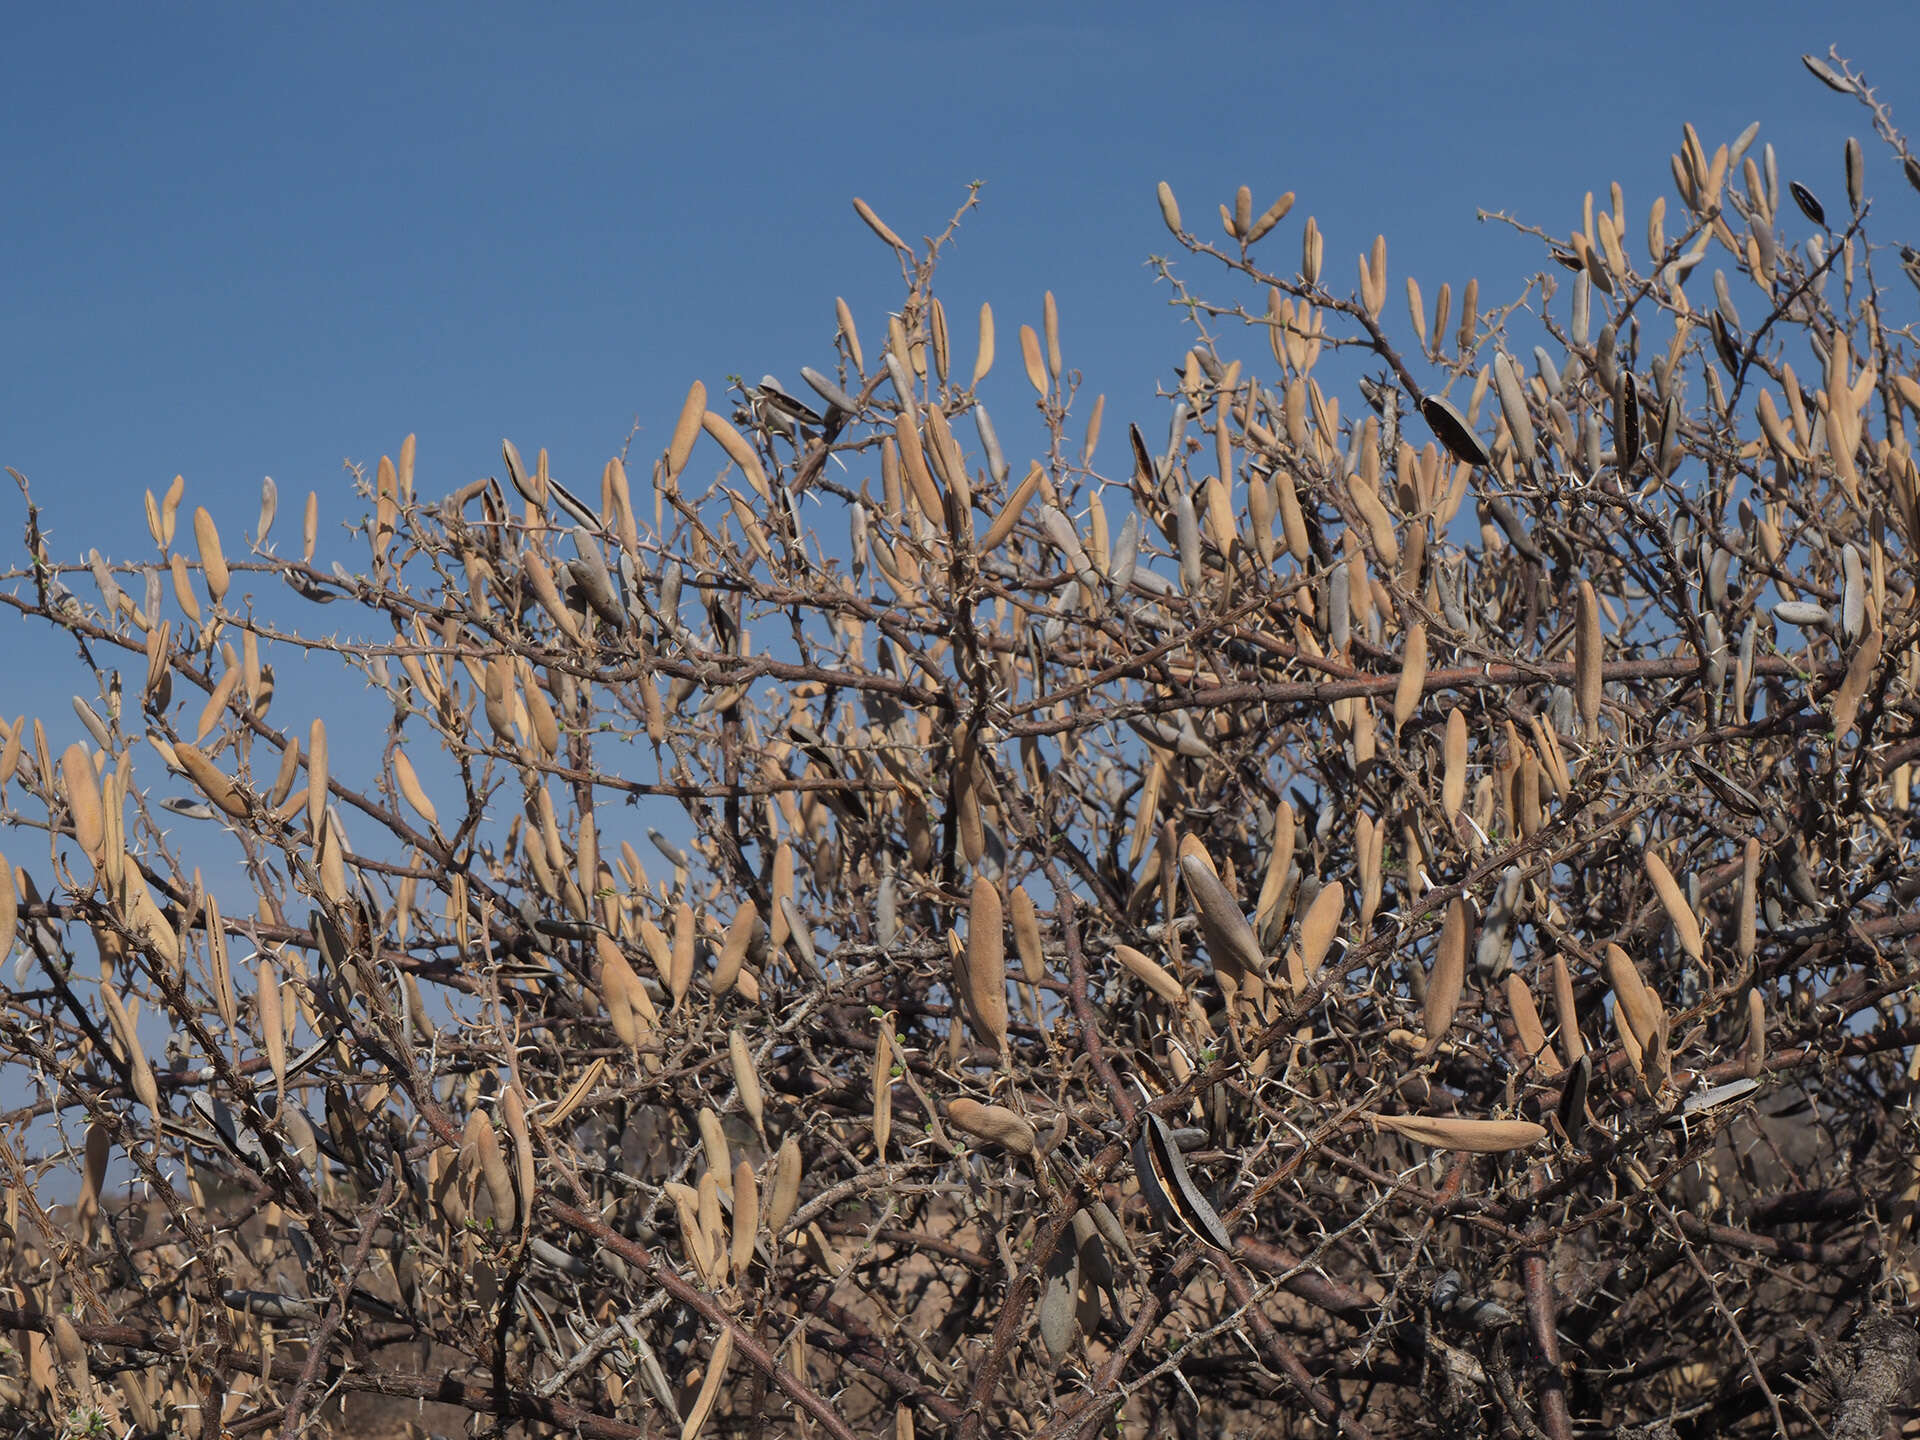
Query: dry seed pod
[
  {"x": 1447, "y": 978},
  {"x": 1686, "y": 927},
  {"x": 877, "y": 225},
  {"x": 680, "y": 958},
  {"x": 1453, "y": 775},
  {"x": 1450, "y": 428},
  {"x": 882, "y": 1118},
  {"x": 1030, "y": 357},
  {"x": 1588, "y": 657},
  {"x": 986, "y": 968},
  {"x": 1230, "y": 939},
  {"x": 1747, "y": 935},
  {"x": 994, "y": 1123},
  {"x": 1169, "y": 209},
  {"x": 9, "y": 909},
  {"x": 1157, "y": 979},
  {"x": 1026, "y": 937},
  {"x": 723, "y": 1347},
  {"x": 746, "y": 1217},
  {"x": 733, "y": 950},
  {"x": 212, "y": 562},
  {"x": 746, "y": 1079},
  {"x": 1413, "y": 676},
  {"x": 713, "y": 1139},
  {"x": 270, "y": 1019},
  {"x": 1564, "y": 1012},
  {"x": 1319, "y": 926},
  {"x": 1479, "y": 1137},
  {"x": 139, "y": 1072},
  {"x": 1637, "y": 1004},
  {"x": 82, "y": 788},
  {"x": 211, "y": 780},
  {"x": 783, "y": 1192},
  {"x": 1754, "y": 1051},
  {"x": 1527, "y": 1026},
  {"x": 316, "y": 776},
  {"x": 411, "y": 791}
]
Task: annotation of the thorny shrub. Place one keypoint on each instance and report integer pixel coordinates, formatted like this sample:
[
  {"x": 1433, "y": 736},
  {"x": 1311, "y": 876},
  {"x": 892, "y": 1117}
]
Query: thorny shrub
[{"x": 1392, "y": 917}]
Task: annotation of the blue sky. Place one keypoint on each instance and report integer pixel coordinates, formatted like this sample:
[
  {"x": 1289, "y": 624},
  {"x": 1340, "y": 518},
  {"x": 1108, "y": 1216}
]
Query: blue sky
[{"x": 250, "y": 240}]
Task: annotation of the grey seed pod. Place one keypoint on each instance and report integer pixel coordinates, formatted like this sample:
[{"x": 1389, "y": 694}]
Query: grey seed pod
[
  {"x": 990, "y": 443},
  {"x": 1803, "y": 613}
]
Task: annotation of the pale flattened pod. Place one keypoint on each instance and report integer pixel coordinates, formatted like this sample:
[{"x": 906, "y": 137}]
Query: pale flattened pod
[
  {"x": 877, "y": 225},
  {"x": 687, "y": 429},
  {"x": 1169, "y": 209},
  {"x": 1026, "y": 936},
  {"x": 1527, "y": 1027},
  {"x": 1005, "y": 1128},
  {"x": 746, "y": 1079},
  {"x": 1480, "y": 1137},
  {"x": 213, "y": 561},
  {"x": 783, "y": 1187},
  {"x": 1319, "y": 926},
  {"x": 1413, "y": 676},
  {"x": 1447, "y": 978},
  {"x": 1565, "y": 1014},
  {"x": 1686, "y": 928},
  {"x": 1747, "y": 935},
  {"x": 1230, "y": 939},
  {"x": 1155, "y": 976},
  {"x": 1588, "y": 658},
  {"x": 987, "y": 962},
  {"x": 1453, "y": 772},
  {"x": 412, "y": 791}
]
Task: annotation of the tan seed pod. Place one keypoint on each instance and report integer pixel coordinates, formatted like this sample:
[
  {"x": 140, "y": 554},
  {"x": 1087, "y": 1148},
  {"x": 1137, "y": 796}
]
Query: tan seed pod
[
  {"x": 216, "y": 706},
  {"x": 1230, "y": 939},
  {"x": 1050, "y": 314},
  {"x": 1685, "y": 927},
  {"x": 481, "y": 1157},
  {"x": 687, "y": 429},
  {"x": 211, "y": 780},
  {"x": 316, "y": 775},
  {"x": 411, "y": 790},
  {"x": 733, "y": 949},
  {"x": 983, "y": 357},
  {"x": 1588, "y": 658},
  {"x": 1243, "y": 212},
  {"x": 10, "y": 752},
  {"x": 1273, "y": 215},
  {"x": 1319, "y": 926},
  {"x": 713, "y": 1139},
  {"x": 139, "y": 1072},
  {"x": 738, "y": 451},
  {"x": 844, "y": 315},
  {"x": 680, "y": 958},
  {"x": 987, "y": 963},
  {"x": 1266, "y": 914},
  {"x": 995, "y": 1123},
  {"x": 1754, "y": 1052},
  {"x": 1478, "y": 1137},
  {"x": 1636, "y": 1003},
  {"x": 513, "y": 1108},
  {"x": 1527, "y": 1026},
  {"x": 1565, "y": 1014},
  {"x": 1026, "y": 937},
  {"x": 9, "y": 909},
  {"x": 882, "y": 1120},
  {"x": 746, "y": 1079},
  {"x": 1413, "y": 676},
  {"x": 1447, "y": 977},
  {"x": 1030, "y": 357},
  {"x": 783, "y": 1193},
  {"x": 1747, "y": 935},
  {"x": 746, "y": 1217},
  {"x": 877, "y": 225},
  {"x": 99, "y": 1148},
  {"x": 310, "y": 527},
  {"x": 82, "y": 787},
  {"x": 1169, "y": 209},
  {"x": 270, "y": 1019},
  {"x": 1453, "y": 772},
  {"x": 723, "y": 1347},
  {"x": 1156, "y": 978},
  {"x": 213, "y": 563}
]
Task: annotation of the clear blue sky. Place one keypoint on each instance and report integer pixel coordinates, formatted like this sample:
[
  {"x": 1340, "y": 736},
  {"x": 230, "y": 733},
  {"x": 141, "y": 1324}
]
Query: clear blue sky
[{"x": 251, "y": 240}]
